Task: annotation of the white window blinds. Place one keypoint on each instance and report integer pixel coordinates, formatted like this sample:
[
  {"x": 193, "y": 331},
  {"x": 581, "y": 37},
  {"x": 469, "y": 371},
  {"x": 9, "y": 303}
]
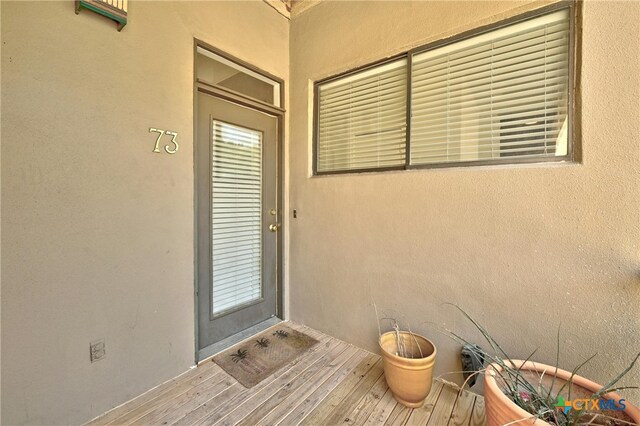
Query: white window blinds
[
  {"x": 499, "y": 95},
  {"x": 362, "y": 120},
  {"x": 236, "y": 216}
]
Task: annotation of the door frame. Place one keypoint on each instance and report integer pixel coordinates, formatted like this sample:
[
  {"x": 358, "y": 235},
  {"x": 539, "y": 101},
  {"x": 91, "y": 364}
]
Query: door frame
[{"x": 260, "y": 106}]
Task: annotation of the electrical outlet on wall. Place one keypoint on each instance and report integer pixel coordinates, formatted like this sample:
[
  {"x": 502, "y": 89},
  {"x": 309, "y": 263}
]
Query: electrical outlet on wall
[{"x": 97, "y": 350}]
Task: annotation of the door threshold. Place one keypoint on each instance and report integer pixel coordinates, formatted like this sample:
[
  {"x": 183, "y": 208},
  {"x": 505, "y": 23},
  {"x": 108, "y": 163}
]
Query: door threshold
[{"x": 211, "y": 350}]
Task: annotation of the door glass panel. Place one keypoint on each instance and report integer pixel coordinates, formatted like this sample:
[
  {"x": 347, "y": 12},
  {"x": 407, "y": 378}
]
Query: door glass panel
[
  {"x": 217, "y": 70},
  {"x": 236, "y": 216}
]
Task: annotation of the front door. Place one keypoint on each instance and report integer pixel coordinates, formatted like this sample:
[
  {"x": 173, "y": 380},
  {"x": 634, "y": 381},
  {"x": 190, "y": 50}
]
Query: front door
[{"x": 236, "y": 218}]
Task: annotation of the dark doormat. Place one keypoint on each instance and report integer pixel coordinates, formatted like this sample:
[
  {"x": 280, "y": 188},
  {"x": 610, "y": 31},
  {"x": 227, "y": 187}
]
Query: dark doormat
[{"x": 251, "y": 361}]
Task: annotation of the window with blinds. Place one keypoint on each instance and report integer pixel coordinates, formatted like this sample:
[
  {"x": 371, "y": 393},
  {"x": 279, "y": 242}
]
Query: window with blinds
[
  {"x": 236, "y": 216},
  {"x": 362, "y": 120},
  {"x": 500, "y": 96}
]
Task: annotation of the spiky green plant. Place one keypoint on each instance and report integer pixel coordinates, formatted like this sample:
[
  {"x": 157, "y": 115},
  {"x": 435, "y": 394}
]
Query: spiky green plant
[{"x": 536, "y": 399}]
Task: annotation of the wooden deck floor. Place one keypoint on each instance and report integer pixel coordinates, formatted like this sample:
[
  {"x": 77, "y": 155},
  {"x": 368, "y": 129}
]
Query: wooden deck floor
[{"x": 332, "y": 384}]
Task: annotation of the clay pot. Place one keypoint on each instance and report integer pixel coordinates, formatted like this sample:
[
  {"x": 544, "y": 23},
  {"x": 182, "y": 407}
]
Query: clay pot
[
  {"x": 408, "y": 378},
  {"x": 501, "y": 410}
]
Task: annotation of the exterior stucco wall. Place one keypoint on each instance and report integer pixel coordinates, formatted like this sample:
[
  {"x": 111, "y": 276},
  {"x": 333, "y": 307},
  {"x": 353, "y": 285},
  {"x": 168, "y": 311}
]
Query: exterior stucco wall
[
  {"x": 522, "y": 248},
  {"x": 97, "y": 231}
]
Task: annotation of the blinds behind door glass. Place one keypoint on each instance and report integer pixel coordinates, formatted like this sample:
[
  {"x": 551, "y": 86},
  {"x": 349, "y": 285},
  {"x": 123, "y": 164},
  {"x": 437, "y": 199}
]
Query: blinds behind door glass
[
  {"x": 502, "y": 94},
  {"x": 236, "y": 216},
  {"x": 361, "y": 120}
]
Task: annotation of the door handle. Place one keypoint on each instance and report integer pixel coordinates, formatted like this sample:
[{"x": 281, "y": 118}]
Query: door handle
[{"x": 274, "y": 227}]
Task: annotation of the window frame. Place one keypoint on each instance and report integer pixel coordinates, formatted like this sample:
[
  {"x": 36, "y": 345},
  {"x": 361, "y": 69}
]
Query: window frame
[
  {"x": 230, "y": 94},
  {"x": 573, "y": 116}
]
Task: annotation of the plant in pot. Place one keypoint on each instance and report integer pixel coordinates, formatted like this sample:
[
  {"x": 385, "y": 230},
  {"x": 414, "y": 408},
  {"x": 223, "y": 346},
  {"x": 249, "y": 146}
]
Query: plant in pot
[
  {"x": 408, "y": 360},
  {"x": 523, "y": 392}
]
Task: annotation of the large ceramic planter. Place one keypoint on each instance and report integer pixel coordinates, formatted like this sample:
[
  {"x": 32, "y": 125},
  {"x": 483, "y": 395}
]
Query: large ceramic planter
[
  {"x": 408, "y": 378},
  {"x": 501, "y": 410}
]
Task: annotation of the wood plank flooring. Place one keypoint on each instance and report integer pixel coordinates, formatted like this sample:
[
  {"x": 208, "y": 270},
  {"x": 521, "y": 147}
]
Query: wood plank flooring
[{"x": 334, "y": 383}]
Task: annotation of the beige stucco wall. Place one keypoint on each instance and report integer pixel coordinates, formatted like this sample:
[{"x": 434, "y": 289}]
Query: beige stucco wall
[
  {"x": 97, "y": 231},
  {"x": 523, "y": 249}
]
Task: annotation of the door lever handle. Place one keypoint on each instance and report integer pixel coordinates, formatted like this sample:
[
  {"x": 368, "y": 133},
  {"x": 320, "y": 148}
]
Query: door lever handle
[{"x": 274, "y": 227}]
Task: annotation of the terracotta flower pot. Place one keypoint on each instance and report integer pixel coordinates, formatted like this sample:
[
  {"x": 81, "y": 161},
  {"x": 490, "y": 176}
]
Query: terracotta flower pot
[
  {"x": 408, "y": 378},
  {"x": 500, "y": 410}
]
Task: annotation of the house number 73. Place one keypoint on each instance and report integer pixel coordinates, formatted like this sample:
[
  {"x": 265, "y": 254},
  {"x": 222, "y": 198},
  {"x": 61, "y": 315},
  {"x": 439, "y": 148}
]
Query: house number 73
[{"x": 173, "y": 135}]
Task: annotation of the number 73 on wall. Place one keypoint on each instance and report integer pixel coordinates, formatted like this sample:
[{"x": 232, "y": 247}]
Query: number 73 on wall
[{"x": 173, "y": 135}]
